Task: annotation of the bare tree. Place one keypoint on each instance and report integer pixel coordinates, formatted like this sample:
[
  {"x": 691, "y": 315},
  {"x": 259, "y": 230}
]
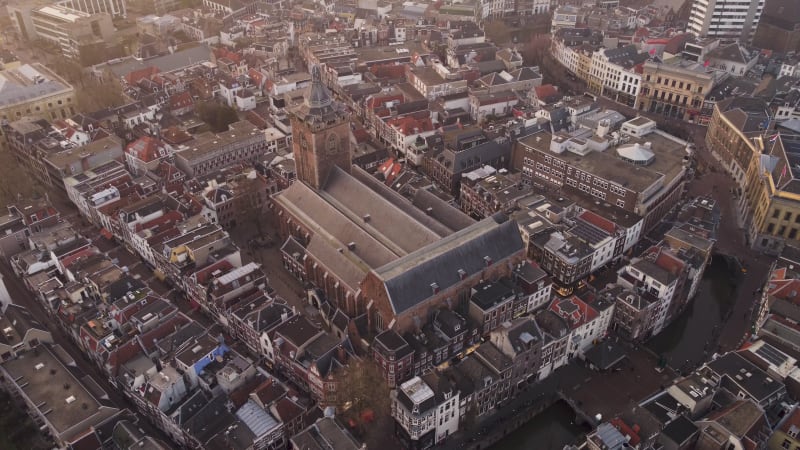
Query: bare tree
[
  {"x": 364, "y": 393},
  {"x": 16, "y": 180},
  {"x": 497, "y": 31},
  {"x": 251, "y": 202},
  {"x": 94, "y": 95},
  {"x": 363, "y": 388}
]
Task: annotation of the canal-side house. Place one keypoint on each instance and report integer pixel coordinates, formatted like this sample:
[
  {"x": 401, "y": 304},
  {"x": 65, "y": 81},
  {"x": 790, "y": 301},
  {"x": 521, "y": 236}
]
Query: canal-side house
[
  {"x": 425, "y": 414},
  {"x": 744, "y": 379},
  {"x": 521, "y": 341}
]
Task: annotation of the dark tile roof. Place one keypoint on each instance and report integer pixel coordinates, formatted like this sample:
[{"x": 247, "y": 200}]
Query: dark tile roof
[
  {"x": 735, "y": 368},
  {"x": 408, "y": 281},
  {"x": 605, "y": 355},
  {"x": 680, "y": 430},
  {"x": 747, "y": 114}
]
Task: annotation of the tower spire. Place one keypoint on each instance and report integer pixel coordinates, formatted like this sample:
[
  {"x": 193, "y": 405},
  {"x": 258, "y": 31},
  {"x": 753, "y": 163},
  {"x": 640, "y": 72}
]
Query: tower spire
[{"x": 317, "y": 96}]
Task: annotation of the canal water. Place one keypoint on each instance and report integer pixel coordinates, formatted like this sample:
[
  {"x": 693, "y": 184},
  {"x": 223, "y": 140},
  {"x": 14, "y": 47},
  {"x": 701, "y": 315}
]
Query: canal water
[
  {"x": 551, "y": 430},
  {"x": 692, "y": 337}
]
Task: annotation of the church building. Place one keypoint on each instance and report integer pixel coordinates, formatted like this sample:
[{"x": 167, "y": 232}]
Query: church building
[{"x": 370, "y": 251}]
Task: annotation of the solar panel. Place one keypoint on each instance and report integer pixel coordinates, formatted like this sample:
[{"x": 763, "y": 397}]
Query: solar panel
[{"x": 771, "y": 354}]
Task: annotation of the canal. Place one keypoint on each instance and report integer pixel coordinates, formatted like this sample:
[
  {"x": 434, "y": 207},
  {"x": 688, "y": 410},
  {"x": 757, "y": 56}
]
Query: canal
[
  {"x": 692, "y": 337},
  {"x": 554, "y": 428}
]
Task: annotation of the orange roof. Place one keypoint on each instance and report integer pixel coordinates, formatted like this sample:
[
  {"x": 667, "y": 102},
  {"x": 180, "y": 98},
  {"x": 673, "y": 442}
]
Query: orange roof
[
  {"x": 181, "y": 100},
  {"x": 669, "y": 262},
  {"x": 574, "y": 310},
  {"x": 138, "y": 75},
  {"x": 203, "y": 274},
  {"x": 546, "y": 90},
  {"x": 146, "y": 148},
  {"x": 626, "y": 430},
  {"x": 381, "y": 100},
  {"x": 386, "y": 166},
  {"x": 407, "y": 125}
]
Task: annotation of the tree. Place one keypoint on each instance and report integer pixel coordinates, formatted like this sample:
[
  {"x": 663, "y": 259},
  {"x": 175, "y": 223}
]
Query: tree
[
  {"x": 94, "y": 95},
  {"x": 362, "y": 388},
  {"x": 243, "y": 42},
  {"x": 497, "y": 31},
  {"x": 216, "y": 115},
  {"x": 251, "y": 195},
  {"x": 16, "y": 180},
  {"x": 69, "y": 69},
  {"x": 536, "y": 51}
]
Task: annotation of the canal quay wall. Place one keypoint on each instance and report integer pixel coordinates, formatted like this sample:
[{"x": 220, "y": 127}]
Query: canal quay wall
[
  {"x": 517, "y": 414},
  {"x": 502, "y": 427}
]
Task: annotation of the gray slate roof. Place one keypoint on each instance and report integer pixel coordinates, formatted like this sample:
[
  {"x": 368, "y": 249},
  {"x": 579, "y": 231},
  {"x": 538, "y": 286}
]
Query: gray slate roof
[
  {"x": 408, "y": 280},
  {"x": 166, "y": 63}
]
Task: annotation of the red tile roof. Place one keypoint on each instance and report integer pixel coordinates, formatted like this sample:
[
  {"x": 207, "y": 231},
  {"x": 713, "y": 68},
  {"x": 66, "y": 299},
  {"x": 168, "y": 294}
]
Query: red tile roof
[
  {"x": 600, "y": 222},
  {"x": 389, "y": 70},
  {"x": 288, "y": 410},
  {"x": 204, "y": 274},
  {"x": 574, "y": 310},
  {"x": 269, "y": 391},
  {"x": 147, "y": 149},
  {"x": 138, "y": 75},
  {"x": 669, "y": 262},
  {"x": 70, "y": 259},
  {"x": 407, "y": 125},
  {"x": 257, "y": 77},
  {"x": 380, "y": 101},
  {"x": 546, "y": 90},
  {"x": 626, "y": 430},
  {"x": 171, "y": 217},
  {"x": 223, "y": 52},
  {"x": 181, "y": 100}
]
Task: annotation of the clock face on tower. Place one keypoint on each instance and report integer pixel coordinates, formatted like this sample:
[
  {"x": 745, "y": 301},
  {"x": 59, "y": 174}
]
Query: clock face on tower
[
  {"x": 332, "y": 144},
  {"x": 303, "y": 141}
]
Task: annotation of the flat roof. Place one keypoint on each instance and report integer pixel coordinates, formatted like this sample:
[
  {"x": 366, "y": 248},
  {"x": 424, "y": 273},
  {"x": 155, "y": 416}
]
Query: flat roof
[
  {"x": 208, "y": 143},
  {"x": 29, "y": 82},
  {"x": 666, "y": 166},
  {"x": 61, "y": 397},
  {"x": 166, "y": 63}
]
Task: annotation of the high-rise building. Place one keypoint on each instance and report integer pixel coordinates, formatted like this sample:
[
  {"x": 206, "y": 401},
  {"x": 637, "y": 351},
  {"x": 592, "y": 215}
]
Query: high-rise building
[{"x": 725, "y": 19}]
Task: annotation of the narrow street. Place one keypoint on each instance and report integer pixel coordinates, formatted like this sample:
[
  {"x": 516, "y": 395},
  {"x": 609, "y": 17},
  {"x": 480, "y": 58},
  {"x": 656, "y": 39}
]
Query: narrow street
[{"x": 21, "y": 296}]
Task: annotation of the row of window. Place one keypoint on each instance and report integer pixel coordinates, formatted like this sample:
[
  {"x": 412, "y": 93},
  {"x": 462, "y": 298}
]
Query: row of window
[
  {"x": 617, "y": 190},
  {"x": 786, "y": 215},
  {"x": 602, "y": 183},
  {"x": 675, "y": 83},
  {"x": 782, "y": 230}
]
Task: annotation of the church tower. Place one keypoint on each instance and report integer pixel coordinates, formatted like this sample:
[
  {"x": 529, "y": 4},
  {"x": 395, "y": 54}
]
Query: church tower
[{"x": 320, "y": 134}]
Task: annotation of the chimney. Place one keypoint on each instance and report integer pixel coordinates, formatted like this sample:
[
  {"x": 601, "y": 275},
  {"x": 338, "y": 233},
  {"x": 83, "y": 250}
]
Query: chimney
[
  {"x": 462, "y": 274},
  {"x": 367, "y": 218},
  {"x": 435, "y": 288},
  {"x": 487, "y": 260},
  {"x": 351, "y": 246},
  {"x": 341, "y": 354}
]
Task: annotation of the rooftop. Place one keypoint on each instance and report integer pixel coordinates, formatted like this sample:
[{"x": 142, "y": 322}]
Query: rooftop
[
  {"x": 666, "y": 165},
  {"x": 29, "y": 82},
  {"x": 49, "y": 383}
]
